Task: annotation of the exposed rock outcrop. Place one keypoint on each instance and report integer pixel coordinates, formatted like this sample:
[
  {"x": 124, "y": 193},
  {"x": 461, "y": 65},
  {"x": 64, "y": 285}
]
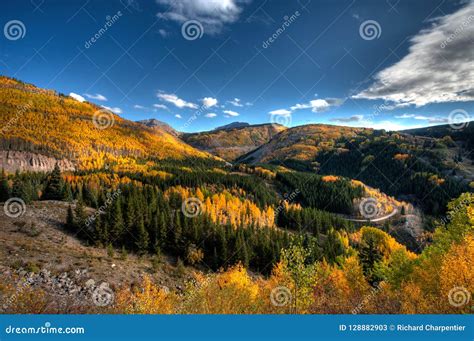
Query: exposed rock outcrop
[{"x": 12, "y": 161}]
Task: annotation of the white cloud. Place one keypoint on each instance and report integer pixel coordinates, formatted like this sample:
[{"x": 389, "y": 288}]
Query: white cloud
[
  {"x": 163, "y": 33},
  {"x": 231, "y": 113},
  {"x": 178, "y": 102},
  {"x": 77, "y": 97},
  {"x": 405, "y": 116},
  {"x": 115, "y": 110},
  {"x": 160, "y": 106},
  {"x": 209, "y": 102},
  {"x": 138, "y": 106},
  {"x": 212, "y": 14},
  {"x": 210, "y": 115},
  {"x": 355, "y": 118},
  {"x": 284, "y": 112},
  {"x": 97, "y": 97},
  {"x": 386, "y": 125},
  {"x": 438, "y": 120},
  {"x": 439, "y": 66},
  {"x": 424, "y": 118},
  {"x": 318, "y": 105},
  {"x": 389, "y": 125},
  {"x": 236, "y": 102},
  {"x": 178, "y": 116}
]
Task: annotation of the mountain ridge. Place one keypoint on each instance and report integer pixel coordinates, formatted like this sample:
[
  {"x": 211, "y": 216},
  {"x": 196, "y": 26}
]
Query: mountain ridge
[
  {"x": 51, "y": 124},
  {"x": 231, "y": 143},
  {"x": 154, "y": 123},
  {"x": 233, "y": 125}
]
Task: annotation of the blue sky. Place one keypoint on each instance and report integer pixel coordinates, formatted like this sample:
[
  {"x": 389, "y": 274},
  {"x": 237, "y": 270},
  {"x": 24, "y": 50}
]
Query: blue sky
[{"x": 203, "y": 63}]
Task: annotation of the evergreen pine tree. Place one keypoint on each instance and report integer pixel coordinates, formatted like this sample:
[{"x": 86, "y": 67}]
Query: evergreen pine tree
[
  {"x": 54, "y": 186},
  {"x": 81, "y": 216},
  {"x": 67, "y": 195},
  {"x": 20, "y": 189},
  {"x": 163, "y": 231},
  {"x": 117, "y": 225},
  {"x": 4, "y": 188},
  {"x": 369, "y": 254},
  {"x": 70, "y": 219},
  {"x": 177, "y": 233},
  {"x": 155, "y": 233},
  {"x": 142, "y": 238},
  {"x": 89, "y": 197}
]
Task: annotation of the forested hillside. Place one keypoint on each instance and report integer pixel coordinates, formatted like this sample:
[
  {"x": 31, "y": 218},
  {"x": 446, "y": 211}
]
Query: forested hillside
[
  {"x": 52, "y": 124},
  {"x": 396, "y": 163}
]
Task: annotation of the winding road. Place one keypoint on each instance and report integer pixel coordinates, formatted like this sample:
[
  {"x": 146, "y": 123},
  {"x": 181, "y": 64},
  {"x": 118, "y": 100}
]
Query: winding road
[{"x": 395, "y": 211}]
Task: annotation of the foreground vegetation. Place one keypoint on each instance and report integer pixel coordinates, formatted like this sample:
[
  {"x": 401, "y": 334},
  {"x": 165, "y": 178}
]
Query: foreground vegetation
[{"x": 375, "y": 275}]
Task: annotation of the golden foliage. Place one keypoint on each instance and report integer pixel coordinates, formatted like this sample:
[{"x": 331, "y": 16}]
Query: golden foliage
[
  {"x": 227, "y": 208},
  {"x": 401, "y": 157},
  {"x": 65, "y": 128},
  {"x": 21, "y": 298},
  {"x": 149, "y": 299},
  {"x": 229, "y": 292},
  {"x": 330, "y": 178}
]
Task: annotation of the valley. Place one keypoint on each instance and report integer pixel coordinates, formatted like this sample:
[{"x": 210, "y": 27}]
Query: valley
[{"x": 216, "y": 221}]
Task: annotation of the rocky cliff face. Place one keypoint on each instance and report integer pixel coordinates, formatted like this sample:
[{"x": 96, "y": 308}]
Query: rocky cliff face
[{"x": 11, "y": 161}]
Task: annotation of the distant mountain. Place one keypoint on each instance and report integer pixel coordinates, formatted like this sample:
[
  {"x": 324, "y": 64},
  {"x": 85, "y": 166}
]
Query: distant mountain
[
  {"x": 399, "y": 164},
  {"x": 230, "y": 143},
  {"x": 462, "y": 133},
  {"x": 154, "y": 123},
  {"x": 303, "y": 143},
  {"x": 233, "y": 125},
  {"x": 41, "y": 127}
]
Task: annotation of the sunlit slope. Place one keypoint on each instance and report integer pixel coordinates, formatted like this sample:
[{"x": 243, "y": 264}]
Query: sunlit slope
[{"x": 45, "y": 122}]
